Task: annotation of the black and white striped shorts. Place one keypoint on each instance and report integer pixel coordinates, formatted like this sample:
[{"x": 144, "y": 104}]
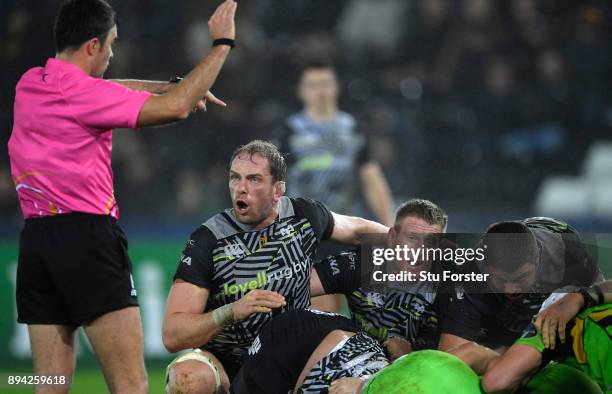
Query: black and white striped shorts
[{"x": 358, "y": 356}]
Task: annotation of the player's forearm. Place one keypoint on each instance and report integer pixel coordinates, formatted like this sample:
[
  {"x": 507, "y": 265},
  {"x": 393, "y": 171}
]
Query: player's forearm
[
  {"x": 506, "y": 373},
  {"x": 188, "y": 330},
  {"x": 479, "y": 358},
  {"x": 196, "y": 84},
  {"x": 155, "y": 87},
  {"x": 364, "y": 228},
  {"x": 377, "y": 193}
]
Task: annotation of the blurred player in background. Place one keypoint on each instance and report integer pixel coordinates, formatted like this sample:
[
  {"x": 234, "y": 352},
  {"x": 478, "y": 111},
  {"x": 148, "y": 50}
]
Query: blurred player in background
[
  {"x": 244, "y": 263},
  {"x": 328, "y": 157},
  {"x": 74, "y": 269}
]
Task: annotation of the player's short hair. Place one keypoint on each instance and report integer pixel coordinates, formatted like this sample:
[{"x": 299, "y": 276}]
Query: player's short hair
[
  {"x": 509, "y": 245},
  {"x": 78, "y": 21},
  {"x": 317, "y": 65},
  {"x": 276, "y": 160},
  {"x": 423, "y": 209}
]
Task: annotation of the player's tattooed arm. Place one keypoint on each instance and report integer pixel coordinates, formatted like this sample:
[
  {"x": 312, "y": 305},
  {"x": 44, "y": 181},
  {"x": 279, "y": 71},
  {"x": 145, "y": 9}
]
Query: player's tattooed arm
[{"x": 351, "y": 229}]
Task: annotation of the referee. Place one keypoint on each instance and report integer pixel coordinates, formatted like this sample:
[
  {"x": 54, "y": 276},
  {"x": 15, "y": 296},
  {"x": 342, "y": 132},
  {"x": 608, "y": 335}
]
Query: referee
[{"x": 74, "y": 269}]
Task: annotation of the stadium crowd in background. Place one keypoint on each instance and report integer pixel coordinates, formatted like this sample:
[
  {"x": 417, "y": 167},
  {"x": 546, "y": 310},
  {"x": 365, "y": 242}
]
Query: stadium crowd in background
[{"x": 460, "y": 99}]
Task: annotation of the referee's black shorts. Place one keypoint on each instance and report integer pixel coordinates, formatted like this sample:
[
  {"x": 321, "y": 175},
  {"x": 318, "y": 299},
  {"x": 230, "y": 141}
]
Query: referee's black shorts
[{"x": 72, "y": 269}]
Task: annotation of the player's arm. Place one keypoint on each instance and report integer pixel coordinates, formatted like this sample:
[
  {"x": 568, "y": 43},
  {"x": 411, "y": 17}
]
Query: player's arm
[
  {"x": 479, "y": 358},
  {"x": 185, "y": 326},
  {"x": 377, "y": 191},
  {"x": 506, "y": 372},
  {"x": 449, "y": 342},
  {"x": 160, "y": 87},
  {"x": 316, "y": 287},
  {"x": 396, "y": 347},
  {"x": 178, "y": 103},
  {"x": 155, "y": 87},
  {"x": 351, "y": 229},
  {"x": 336, "y": 274}
]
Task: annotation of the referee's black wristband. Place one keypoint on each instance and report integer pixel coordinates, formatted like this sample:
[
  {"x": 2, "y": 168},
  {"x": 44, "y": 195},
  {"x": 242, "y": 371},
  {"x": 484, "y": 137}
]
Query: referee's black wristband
[{"x": 224, "y": 41}]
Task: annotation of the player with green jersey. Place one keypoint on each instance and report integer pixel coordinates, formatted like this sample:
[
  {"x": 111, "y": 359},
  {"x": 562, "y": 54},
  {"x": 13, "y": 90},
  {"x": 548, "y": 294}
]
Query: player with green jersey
[{"x": 586, "y": 317}]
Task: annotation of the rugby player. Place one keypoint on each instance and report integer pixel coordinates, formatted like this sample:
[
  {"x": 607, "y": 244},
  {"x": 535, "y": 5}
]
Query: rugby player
[
  {"x": 242, "y": 264},
  {"x": 405, "y": 317},
  {"x": 304, "y": 351},
  {"x": 581, "y": 323},
  {"x": 527, "y": 261},
  {"x": 74, "y": 269},
  {"x": 328, "y": 158}
]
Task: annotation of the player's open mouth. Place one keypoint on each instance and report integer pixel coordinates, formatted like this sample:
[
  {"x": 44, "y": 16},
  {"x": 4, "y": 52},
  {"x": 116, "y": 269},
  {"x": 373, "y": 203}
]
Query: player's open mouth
[{"x": 241, "y": 207}]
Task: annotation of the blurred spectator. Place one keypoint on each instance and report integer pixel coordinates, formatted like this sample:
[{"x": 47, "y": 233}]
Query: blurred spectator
[{"x": 465, "y": 97}]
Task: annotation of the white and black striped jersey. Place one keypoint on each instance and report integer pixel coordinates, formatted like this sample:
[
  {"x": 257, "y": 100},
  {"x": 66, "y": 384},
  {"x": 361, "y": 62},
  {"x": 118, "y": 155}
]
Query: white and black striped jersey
[
  {"x": 324, "y": 158},
  {"x": 412, "y": 312},
  {"x": 230, "y": 259}
]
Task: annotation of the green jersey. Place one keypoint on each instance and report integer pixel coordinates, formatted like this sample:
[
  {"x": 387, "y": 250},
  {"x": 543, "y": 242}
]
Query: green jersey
[{"x": 589, "y": 345}]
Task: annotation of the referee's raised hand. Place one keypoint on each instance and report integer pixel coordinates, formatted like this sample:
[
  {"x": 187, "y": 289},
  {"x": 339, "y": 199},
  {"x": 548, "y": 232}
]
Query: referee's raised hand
[
  {"x": 221, "y": 23},
  {"x": 257, "y": 301}
]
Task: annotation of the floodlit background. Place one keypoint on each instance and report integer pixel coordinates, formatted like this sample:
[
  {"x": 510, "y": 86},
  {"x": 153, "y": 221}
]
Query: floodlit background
[{"x": 493, "y": 109}]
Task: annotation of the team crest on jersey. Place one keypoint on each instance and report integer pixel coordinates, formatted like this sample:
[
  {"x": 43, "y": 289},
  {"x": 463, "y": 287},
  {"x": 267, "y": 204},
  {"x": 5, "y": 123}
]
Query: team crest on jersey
[
  {"x": 234, "y": 251},
  {"x": 288, "y": 231}
]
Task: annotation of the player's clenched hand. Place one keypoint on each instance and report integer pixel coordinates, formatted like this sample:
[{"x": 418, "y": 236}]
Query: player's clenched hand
[
  {"x": 257, "y": 301},
  {"x": 396, "y": 347},
  {"x": 221, "y": 23},
  {"x": 553, "y": 319},
  {"x": 345, "y": 386}
]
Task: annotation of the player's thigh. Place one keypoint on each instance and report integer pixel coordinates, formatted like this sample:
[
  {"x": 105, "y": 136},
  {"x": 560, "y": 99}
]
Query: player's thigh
[
  {"x": 335, "y": 303},
  {"x": 53, "y": 353},
  {"x": 118, "y": 342},
  {"x": 196, "y": 371}
]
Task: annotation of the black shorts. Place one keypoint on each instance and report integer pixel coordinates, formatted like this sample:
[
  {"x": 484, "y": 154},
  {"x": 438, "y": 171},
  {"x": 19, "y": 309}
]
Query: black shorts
[{"x": 72, "y": 269}]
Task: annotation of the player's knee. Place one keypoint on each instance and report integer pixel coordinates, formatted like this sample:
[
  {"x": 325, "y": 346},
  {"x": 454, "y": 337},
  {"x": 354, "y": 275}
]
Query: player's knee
[{"x": 191, "y": 376}]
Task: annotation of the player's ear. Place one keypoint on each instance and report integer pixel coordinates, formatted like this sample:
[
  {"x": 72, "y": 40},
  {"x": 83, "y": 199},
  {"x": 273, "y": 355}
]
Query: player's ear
[
  {"x": 92, "y": 46},
  {"x": 279, "y": 189},
  {"x": 391, "y": 237}
]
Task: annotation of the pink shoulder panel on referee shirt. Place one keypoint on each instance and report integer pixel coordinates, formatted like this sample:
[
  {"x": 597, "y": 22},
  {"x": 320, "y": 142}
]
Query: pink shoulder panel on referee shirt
[{"x": 61, "y": 143}]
